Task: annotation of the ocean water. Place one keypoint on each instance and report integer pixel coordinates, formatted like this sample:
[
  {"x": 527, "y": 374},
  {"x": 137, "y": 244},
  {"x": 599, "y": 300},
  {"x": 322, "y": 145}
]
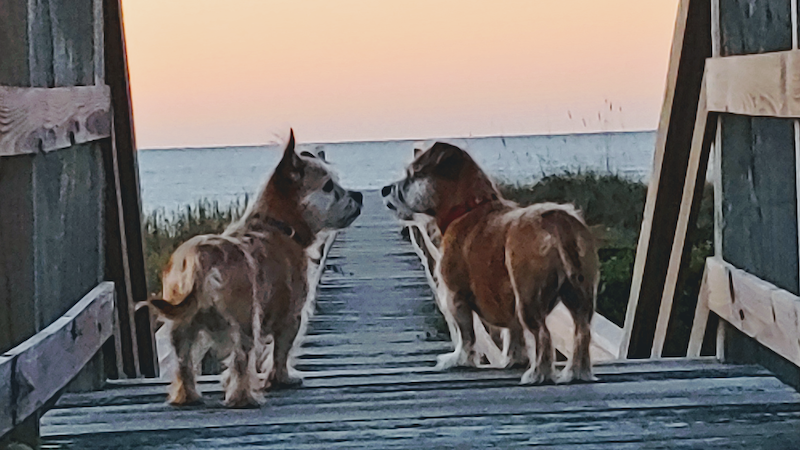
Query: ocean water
[{"x": 170, "y": 179}]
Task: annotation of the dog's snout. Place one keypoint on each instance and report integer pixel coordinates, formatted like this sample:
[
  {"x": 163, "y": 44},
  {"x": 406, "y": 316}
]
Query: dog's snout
[
  {"x": 357, "y": 196},
  {"x": 386, "y": 190}
]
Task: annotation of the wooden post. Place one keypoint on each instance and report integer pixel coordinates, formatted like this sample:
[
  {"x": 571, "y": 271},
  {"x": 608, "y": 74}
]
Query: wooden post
[
  {"x": 690, "y": 48},
  {"x": 137, "y": 336}
]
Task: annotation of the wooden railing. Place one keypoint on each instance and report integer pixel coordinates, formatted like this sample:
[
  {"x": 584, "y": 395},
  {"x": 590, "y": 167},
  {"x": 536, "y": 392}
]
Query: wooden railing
[
  {"x": 702, "y": 86},
  {"x": 34, "y": 372}
]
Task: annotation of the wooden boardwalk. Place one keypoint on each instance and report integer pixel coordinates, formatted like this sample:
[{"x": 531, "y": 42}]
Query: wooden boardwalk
[{"x": 368, "y": 358}]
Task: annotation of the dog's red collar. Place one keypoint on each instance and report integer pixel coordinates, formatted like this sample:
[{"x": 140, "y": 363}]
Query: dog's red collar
[{"x": 460, "y": 210}]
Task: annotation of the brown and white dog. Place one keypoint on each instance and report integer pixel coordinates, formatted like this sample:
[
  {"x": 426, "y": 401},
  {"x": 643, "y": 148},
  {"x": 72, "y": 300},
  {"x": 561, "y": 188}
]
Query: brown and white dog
[
  {"x": 250, "y": 283},
  {"x": 510, "y": 265}
]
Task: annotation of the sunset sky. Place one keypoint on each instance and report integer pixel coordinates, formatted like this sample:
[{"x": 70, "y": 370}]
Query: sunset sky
[{"x": 241, "y": 72}]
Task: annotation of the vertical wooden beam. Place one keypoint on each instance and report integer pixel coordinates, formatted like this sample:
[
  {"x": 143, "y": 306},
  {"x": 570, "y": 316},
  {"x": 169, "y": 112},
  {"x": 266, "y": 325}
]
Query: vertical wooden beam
[
  {"x": 124, "y": 152},
  {"x": 704, "y": 134},
  {"x": 690, "y": 48},
  {"x": 14, "y": 43}
]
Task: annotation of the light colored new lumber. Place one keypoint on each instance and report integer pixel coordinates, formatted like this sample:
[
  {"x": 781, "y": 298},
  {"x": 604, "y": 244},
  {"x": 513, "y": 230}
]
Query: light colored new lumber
[
  {"x": 766, "y": 84},
  {"x": 759, "y": 309},
  {"x": 34, "y": 119},
  {"x": 34, "y": 371},
  {"x": 606, "y": 335},
  {"x": 697, "y": 160},
  {"x": 700, "y": 320}
]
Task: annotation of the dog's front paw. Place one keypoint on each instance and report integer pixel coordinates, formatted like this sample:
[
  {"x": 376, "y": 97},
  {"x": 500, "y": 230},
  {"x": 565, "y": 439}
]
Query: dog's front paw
[
  {"x": 243, "y": 399},
  {"x": 569, "y": 375},
  {"x": 180, "y": 395},
  {"x": 448, "y": 360},
  {"x": 535, "y": 377}
]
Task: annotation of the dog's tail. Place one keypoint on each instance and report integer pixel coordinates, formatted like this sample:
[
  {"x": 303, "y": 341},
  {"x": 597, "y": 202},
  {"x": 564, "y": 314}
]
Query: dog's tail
[
  {"x": 178, "y": 281},
  {"x": 576, "y": 248}
]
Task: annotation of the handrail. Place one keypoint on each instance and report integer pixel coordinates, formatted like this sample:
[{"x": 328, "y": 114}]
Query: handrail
[{"x": 34, "y": 372}]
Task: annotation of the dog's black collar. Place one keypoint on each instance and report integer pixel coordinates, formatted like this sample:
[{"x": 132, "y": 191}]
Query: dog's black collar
[{"x": 280, "y": 225}]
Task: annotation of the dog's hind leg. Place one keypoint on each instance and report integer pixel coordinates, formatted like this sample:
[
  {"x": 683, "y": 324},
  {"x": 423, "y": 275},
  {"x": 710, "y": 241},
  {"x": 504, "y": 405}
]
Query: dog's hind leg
[
  {"x": 464, "y": 352},
  {"x": 183, "y": 389},
  {"x": 580, "y": 302},
  {"x": 284, "y": 338},
  {"x": 536, "y": 292},
  {"x": 240, "y": 387},
  {"x": 514, "y": 346}
]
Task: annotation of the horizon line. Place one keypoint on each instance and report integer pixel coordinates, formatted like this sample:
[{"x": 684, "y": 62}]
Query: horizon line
[{"x": 366, "y": 141}]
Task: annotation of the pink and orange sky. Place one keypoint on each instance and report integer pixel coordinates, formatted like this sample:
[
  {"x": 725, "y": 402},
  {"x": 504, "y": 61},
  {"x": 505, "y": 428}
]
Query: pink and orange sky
[{"x": 241, "y": 72}]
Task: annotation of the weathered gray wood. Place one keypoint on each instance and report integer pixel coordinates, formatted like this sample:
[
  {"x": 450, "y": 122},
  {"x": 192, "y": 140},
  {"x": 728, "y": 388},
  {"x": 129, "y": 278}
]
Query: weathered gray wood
[
  {"x": 42, "y": 365},
  {"x": 40, "y": 41},
  {"x": 72, "y": 23},
  {"x": 748, "y": 26},
  {"x": 67, "y": 186},
  {"x": 14, "y": 43},
  {"x": 40, "y": 119},
  {"x": 759, "y": 202},
  {"x": 17, "y": 318}
]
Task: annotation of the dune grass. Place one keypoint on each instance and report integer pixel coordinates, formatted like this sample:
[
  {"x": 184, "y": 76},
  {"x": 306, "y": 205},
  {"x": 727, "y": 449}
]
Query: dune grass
[
  {"x": 612, "y": 206},
  {"x": 164, "y": 232}
]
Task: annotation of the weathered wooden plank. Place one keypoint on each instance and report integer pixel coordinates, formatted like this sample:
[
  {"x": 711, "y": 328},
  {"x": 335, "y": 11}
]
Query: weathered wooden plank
[
  {"x": 68, "y": 186},
  {"x": 703, "y": 135},
  {"x": 691, "y": 46},
  {"x": 759, "y": 309},
  {"x": 40, "y": 41},
  {"x": 430, "y": 403},
  {"x": 127, "y": 191},
  {"x": 17, "y": 316},
  {"x": 72, "y": 24},
  {"x": 14, "y": 42},
  {"x": 45, "y": 363},
  {"x": 98, "y": 43},
  {"x": 38, "y": 119},
  {"x": 607, "y": 429},
  {"x": 760, "y": 212},
  {"x": 748, "y": 26},
  {"x": 755, "y": 85}
]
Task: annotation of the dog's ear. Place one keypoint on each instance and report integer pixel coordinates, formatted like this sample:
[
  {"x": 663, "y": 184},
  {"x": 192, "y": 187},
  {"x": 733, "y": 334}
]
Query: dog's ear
[
  {"x": 291, "y": 165},
  {"x": 417, "y": 151},
  {"x": 447, "y": 160},
  {"x": 321, "y": 155}
]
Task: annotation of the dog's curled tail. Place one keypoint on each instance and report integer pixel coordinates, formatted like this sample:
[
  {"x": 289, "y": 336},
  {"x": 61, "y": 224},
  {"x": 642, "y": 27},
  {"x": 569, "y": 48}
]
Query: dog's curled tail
[{"x": 178, "y": 280}]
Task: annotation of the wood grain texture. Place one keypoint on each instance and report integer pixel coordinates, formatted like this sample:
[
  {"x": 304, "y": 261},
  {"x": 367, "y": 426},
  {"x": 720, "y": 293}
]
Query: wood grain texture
[
  {"x": 755, "y": 85},
  {"x": 690, "y": 47},
  {"x": 14, "y": 43},
  {"x": 748, "y": 26},
  {"x": 759, "y": 309},
  {"x": 38, "y": 119},
  {"x": 42, "y": 365},
  {"x": 759, "y": 200}
]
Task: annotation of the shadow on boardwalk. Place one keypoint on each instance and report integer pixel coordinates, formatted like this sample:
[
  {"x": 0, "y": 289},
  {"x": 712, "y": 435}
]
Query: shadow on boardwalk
[{"x": 368, "y": 357}]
